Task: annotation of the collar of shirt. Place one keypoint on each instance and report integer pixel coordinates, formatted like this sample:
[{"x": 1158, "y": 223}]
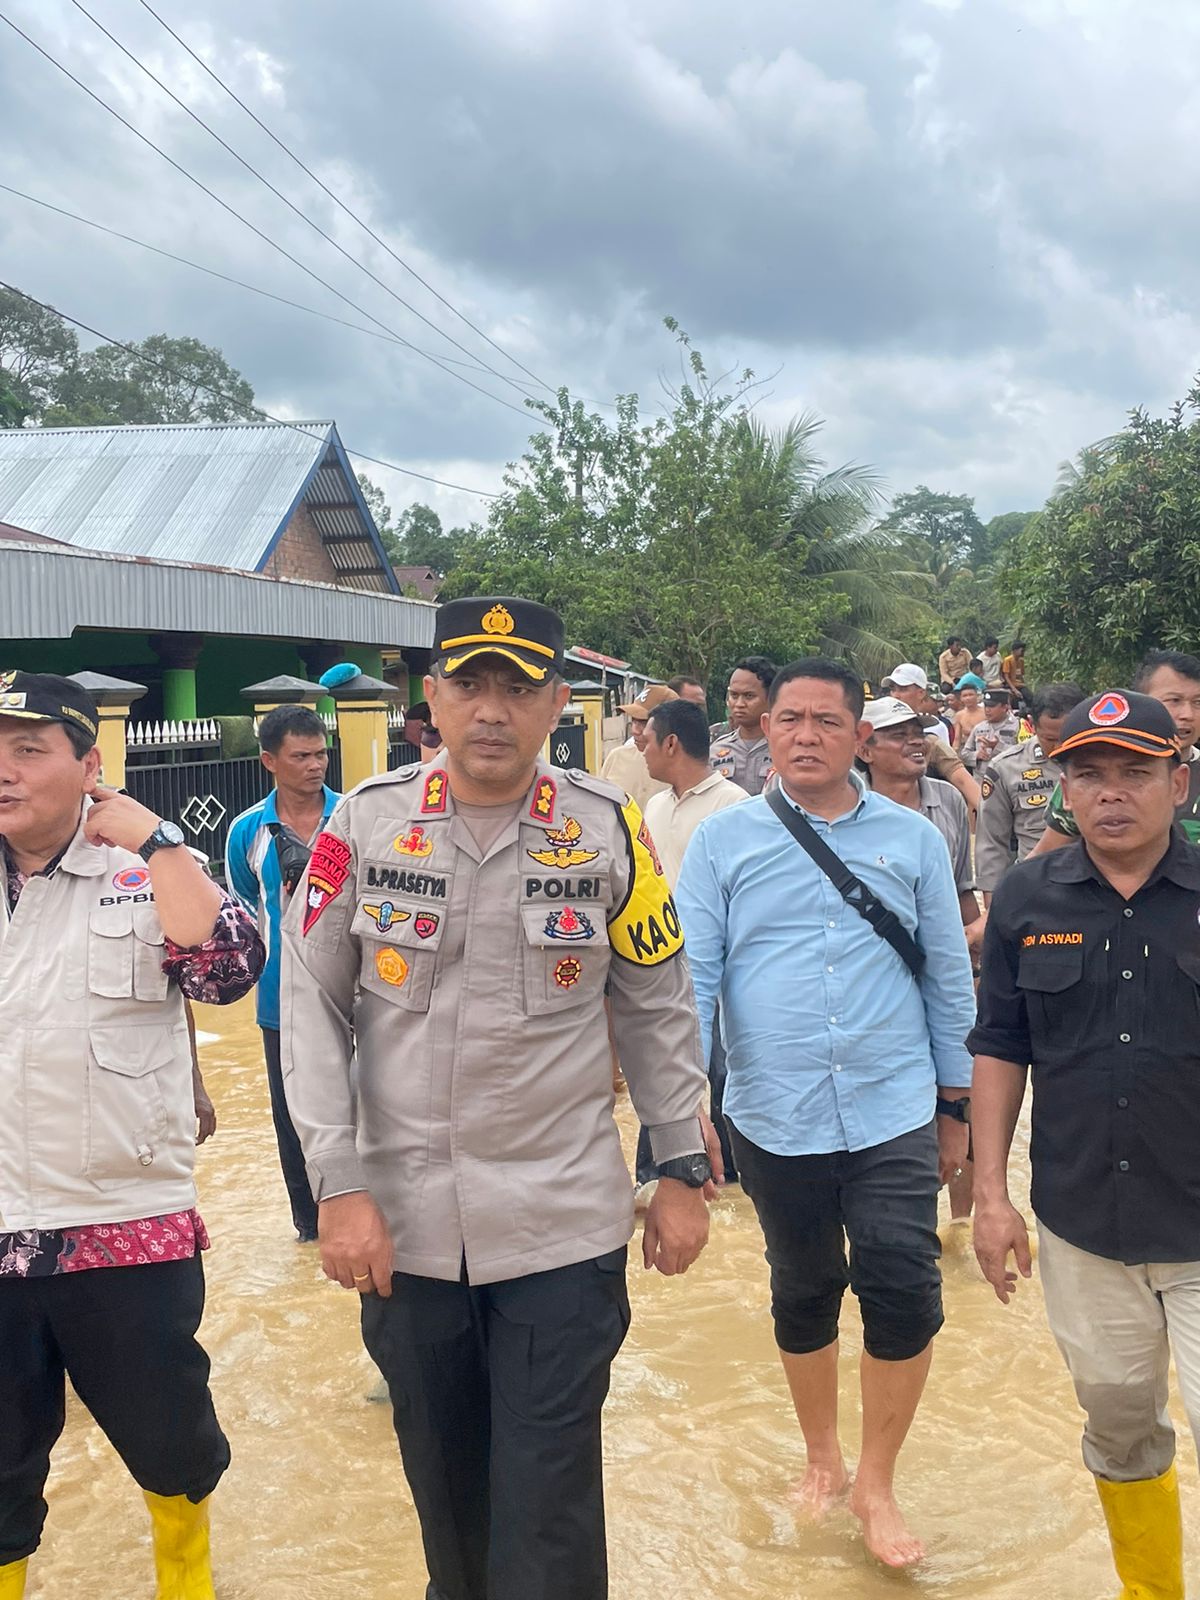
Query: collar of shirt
[
  {"x": 706, "y": 783},
  {"x": 270, "y": 806},
  {"x": 857, "y": 782},
  {"x": 1181, "y": 864}
]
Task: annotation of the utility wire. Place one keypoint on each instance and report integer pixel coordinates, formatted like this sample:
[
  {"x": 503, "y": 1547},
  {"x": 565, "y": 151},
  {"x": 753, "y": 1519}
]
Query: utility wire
[
  {"x": 197, "y": 266},
  {"x": 279, "y": 195},
  {"x": 253, "y": 413},
  {"x": 245, "y": 221},
  {"x": 342, "y": 206}
]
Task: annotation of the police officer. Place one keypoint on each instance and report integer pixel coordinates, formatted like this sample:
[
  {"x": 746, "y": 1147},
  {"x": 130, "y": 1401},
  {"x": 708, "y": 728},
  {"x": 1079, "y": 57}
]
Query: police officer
[
  {"x": 106, "y": 924},
  {"x": 741, "y": 753},
  {"x": 460, "y": 925},
  {"x": 998, "y": 731},
  {"x": 1017, "y": 789},
  {"x": 1091, "y": 972}
]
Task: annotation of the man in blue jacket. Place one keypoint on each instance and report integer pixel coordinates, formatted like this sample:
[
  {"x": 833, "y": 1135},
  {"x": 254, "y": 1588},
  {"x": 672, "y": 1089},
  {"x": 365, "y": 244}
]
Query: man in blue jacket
[
  {"x": 294, "y": 751},
  {"x": 847, "y": 1073}
]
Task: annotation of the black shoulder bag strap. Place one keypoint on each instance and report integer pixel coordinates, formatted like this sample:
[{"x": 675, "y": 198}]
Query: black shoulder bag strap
[{"x": 852, "y": 889}]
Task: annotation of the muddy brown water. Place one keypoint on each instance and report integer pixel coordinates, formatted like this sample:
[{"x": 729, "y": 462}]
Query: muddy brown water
[{"x": 701, "y": 1447}]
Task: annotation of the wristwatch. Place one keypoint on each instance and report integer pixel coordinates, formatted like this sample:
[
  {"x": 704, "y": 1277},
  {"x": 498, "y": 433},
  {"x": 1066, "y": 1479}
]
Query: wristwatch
[
  {"x": 165, "y": 837},
  {"x": 960, "y": 1110},
  {"x": 695, "y": 1171}
]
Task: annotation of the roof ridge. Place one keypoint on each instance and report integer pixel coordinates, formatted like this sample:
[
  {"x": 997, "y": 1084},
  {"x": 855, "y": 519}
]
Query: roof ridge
[{"x": 162, "y": 427}]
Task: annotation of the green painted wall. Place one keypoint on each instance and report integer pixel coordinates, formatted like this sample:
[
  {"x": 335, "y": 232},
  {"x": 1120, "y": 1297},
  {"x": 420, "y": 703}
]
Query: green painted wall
[{"x": 227, "y": 665}]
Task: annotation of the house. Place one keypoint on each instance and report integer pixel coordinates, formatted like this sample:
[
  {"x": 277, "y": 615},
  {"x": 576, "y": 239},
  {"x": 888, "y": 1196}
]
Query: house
[
  {"x": 195, "y": 558},
  {"x": 423, "y": 579}
]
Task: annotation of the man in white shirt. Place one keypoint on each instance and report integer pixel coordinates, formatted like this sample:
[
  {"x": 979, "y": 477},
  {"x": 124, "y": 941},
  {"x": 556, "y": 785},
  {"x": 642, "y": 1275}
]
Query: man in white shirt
[{"x": 676, "y": 752}]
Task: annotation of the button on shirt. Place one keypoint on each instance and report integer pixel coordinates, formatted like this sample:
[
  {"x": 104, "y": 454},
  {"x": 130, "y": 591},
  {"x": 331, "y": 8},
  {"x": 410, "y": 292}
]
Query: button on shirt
[
  {"x": 1102, "y": 996},
  {"x": 832, "y": 1043},
  {"x": 672, "y": 819}
]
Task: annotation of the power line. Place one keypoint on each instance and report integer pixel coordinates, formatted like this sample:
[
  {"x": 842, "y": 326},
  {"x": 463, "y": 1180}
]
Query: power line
[
  {"x": 212, "y": 272},
  {"x": 245, "y": 221},
  {"x": 279, "y": 195},
  {"x": 342, "y": 206},
  {"x": 254, "y": 413}
]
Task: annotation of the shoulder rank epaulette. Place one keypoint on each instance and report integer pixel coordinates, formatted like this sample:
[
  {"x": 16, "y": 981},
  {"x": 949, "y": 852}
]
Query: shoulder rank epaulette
[
  {"x": 600, "y": 786},
  {"x": 378, "y": 779}
]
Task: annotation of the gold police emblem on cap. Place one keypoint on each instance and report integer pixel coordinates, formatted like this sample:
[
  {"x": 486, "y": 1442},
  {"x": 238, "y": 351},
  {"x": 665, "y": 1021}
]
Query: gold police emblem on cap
[
  {"x": 498, "y": 621},
  {"x": 7, "y": 679}
]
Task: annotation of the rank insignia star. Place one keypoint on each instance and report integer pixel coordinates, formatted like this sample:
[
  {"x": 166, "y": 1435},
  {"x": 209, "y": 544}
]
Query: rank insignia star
[
  {"x": 545, "y": 793},
  {"x": 433, "y": 803},
  {"x": 565, "y": 851}
]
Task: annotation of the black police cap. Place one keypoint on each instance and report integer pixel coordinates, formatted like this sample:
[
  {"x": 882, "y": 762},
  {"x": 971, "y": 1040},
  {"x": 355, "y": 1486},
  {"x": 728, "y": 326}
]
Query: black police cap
[
  {"x": 45, "y": 697},
  {"x": 520, "y": 631},
  {"x": 1121, "y": 717}
]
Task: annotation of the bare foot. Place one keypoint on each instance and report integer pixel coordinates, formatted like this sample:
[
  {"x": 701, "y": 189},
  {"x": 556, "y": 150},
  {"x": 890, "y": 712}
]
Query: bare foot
[
  {"x": 820, "y": 1489},
  {"x": 885, "y": 1532}
]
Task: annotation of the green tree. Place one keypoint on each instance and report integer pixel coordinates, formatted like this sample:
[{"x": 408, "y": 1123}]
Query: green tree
[
  {"x": 159, "y": 380},
  {"x": 425, "y": 542},
  {"x": 381, "y": 514},
  {"x": 1111, "y": 567},
  {"x": 679, "y": 543},
  {"x": 939, "y": 533},
  {"x": 36, "y": 348}
]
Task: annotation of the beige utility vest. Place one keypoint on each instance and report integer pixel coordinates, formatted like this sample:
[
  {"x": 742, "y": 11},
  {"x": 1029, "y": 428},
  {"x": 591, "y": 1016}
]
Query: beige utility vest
[{"x": 97, "y": 1120}]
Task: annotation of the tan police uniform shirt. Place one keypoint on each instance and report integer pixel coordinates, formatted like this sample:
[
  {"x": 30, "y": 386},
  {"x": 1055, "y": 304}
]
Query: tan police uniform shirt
[
  {"x": 986, "y": 740},
  {"x": 745, "y": 762},
  {"x": 97, "y": 1122},
  {"x": 1016, "y": 792},
  {"x": 672, "y": 819},
  {"x": 471, "y": 986},
  {"x": 626, "y": 767}
]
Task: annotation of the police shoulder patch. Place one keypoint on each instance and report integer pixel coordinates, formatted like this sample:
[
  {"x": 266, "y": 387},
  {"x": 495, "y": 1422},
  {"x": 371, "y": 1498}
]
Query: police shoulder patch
[
  {"x": 401, "y": 775},
  {"x": 645, "y": 927},
  {"x": 986, "y": 787}
]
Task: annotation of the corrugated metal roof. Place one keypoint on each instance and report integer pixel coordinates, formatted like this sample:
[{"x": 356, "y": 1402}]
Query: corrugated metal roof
[
  {"x": 210, "y": 492},
  {"x": 48, "y": 592}
]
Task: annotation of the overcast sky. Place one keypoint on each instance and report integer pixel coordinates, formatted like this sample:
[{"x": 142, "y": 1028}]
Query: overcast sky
[{"x": 962, "y": 231}]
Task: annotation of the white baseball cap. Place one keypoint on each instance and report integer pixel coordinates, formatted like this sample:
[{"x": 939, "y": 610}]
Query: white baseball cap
[
  {"x": 908, "y": 675},
  {"x": 888, "y": 712}
]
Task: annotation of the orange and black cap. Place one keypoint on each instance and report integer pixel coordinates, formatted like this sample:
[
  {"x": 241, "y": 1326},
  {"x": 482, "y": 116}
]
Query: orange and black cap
[
  {"x": 1120, "y": 717},
  {"x": 45, "y": 697},
  {"x": 522, "y": 632}
]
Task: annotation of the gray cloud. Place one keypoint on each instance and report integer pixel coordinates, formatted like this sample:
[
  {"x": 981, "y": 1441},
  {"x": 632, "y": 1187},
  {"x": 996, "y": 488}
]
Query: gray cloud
[{"x": 963, "y": 232}]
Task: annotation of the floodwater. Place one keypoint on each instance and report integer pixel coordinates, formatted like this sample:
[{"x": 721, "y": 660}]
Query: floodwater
[{"x": 701, "y": 1446}]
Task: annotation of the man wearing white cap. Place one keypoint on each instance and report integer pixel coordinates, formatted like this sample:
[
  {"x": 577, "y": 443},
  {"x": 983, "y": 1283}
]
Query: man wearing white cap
[
  {"x": 910, "y": 683},
  {"x": 626, "y": 765}
]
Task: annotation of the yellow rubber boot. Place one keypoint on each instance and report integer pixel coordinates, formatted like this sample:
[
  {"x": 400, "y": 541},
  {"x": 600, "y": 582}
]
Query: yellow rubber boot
[
  {"x": 1145, "y": 1528},
  {"x": 181, "y": 1559},
  {"x": 12, "y": 1579}
]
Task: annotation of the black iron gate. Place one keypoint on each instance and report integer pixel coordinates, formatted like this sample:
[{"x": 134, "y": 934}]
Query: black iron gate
[
  {"x": 203, "y": 797},
  {"x": 568, "y": 745}
]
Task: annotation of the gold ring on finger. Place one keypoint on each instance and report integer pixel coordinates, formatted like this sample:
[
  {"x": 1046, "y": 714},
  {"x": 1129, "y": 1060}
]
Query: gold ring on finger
[{"x": 361, "y": 1277}]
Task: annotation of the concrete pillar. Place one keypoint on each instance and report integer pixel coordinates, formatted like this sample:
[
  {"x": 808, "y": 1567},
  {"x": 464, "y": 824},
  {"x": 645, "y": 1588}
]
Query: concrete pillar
[
  {"x": 285, "y": 690},
  {"x": 180, "y": 655},
  {"x": 114, "y": 697},
  {"x": 362, "y": 713},
  {"x": 589, "y": 697}
]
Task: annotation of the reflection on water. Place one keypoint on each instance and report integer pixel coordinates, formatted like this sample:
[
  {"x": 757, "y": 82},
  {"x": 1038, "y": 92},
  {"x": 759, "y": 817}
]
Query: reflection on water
[{"x": 700, "y": 1442}]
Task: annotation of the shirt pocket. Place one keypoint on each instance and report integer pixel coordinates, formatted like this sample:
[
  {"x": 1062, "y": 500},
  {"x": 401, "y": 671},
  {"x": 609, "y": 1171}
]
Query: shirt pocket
[
  {"x": 130, "y": 1132},
  {"x": 566, "y": 956},
  {"x": 400, "y": 944},
  {"x": 150, "y": 982},
  {"x": 110, "y": 951},
  {"x": 1048, "y": 979}
]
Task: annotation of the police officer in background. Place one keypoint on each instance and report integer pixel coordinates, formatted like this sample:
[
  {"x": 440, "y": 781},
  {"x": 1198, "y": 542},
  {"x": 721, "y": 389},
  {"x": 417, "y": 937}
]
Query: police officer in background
[
  {"x": 459, "y": 927},
  {"x": 741, "y": 753},
  {"x": 1017, "y": 789}
]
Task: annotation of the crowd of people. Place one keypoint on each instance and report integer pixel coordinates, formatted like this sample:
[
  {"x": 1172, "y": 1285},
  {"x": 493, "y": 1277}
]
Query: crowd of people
[{"x": 827, "y": 940}]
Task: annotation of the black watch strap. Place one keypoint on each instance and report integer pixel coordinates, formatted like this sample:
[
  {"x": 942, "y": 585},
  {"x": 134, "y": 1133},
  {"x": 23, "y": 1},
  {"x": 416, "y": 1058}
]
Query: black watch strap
[
  {"x": 960, "y": 1110},
  {"x": 695, "y": 1170}
]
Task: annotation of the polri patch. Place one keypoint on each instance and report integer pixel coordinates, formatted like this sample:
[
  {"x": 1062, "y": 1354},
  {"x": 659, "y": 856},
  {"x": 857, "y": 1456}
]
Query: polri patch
[
  {"x": 328, "y": 869},
  {"x": 565, "y": 849},
  {"x": 569, "y": 924}
]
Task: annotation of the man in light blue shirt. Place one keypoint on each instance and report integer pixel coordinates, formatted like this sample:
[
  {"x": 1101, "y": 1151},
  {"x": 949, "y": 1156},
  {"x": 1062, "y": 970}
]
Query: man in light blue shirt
[
  {"x": 838, "y": 1060},
  {"x": 294, "y": 751}
]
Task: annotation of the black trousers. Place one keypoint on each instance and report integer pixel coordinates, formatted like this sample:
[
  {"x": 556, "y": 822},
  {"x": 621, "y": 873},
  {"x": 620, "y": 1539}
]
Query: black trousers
[
  {"x": 883, "y": 1200},
  {"x": 126, "y": 1338},
  {"x": 497, "y": 1392},
  {"x": 291, "y": 1156}
]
